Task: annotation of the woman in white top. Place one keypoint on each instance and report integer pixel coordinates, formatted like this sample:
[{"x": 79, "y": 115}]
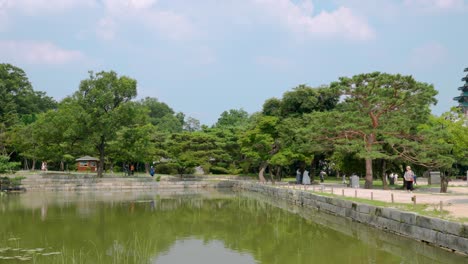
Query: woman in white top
[{"x": 409, "y": 177}]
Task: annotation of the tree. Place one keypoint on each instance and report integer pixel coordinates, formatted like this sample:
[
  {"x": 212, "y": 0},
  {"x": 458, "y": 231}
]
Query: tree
[
  {"x": 162, "y": 116},
  {"x": 441, "y": 142},
  {"x": 376, "y": 107},
  {"x": 261, "y": 142},
  {"x": 190, "y": 149},
  {"x": 18, "y": 101},
  {"x": 192, "y": 124},
  {"x": 232, "y": 118},
  {"x": 296, "y": 110},
  {"x": 103, "y": 99}
]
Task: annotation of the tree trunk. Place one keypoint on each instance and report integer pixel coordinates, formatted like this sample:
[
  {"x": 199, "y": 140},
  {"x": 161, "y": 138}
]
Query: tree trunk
[
  {"x": 369, "y": 179},
  {"x": 100, "y": 148},
  {"x": 272, "y": 178},
  {"x": 147, "y": 166},
  {"x": 384, "y": 174},
  {"x": 444, "y": 179},
  {"x": 33, "y": 166},
  {"x": 26, "y": 164},
  {"x": 369, "y": 174},
  {"x": 261, "y": 176},
  {"x": 279, "y": 172},
  {"x": 62, "y": 165},
  {"x": 313, "y": 165}
]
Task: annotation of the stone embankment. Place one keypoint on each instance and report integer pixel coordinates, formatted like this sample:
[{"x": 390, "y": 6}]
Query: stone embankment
[
  {"x": 434, "y": 231},
  {"x": 91, "y": 183}
]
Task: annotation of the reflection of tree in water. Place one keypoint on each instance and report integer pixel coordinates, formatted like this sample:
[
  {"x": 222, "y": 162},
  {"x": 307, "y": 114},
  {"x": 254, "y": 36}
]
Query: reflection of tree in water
[{"x": 114, "y": 232}]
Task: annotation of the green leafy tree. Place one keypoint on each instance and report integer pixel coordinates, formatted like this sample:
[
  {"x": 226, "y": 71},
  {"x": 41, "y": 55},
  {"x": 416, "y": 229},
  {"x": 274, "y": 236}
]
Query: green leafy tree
[
  {"x": 261, "y": 142},
  {"x": 19, "y": 103},
  {"x": 190, "y": 149},
  {"x": 295, "y": 110},
  {"x": 192, "y": 124},
  {"x": 232, "y": 118},
  {"x": 103, "y": 99},
  {"x": 377, "y": 107},
  {"x": 6, "y": 165},
  {"x": 162, "y": 116}
]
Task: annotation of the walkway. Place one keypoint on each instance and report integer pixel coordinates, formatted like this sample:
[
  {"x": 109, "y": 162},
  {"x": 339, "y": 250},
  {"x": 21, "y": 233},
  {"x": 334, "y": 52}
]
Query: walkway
[{"x": 455, "y": 201}]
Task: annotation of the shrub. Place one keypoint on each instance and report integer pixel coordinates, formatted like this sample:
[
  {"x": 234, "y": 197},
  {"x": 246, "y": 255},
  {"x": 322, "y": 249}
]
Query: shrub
[
  {"x": 166, "y": 168},
  {"x": 6, "y": 165},
  {"x": 219, "y": 170}
]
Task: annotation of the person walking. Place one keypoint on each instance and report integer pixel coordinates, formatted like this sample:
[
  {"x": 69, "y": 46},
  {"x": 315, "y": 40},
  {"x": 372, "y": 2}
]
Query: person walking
[
  {"x": 322, "y": 175},
  {"x": 409, "y": 178}
]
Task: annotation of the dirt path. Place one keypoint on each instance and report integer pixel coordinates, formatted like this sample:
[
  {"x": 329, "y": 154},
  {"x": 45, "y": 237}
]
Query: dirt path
[{"x": 455, "y": 201}]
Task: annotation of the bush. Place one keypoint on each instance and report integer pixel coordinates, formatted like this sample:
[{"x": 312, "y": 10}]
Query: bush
[
  {"x": 6, "y": 165},
  {"x": 166, "y": 168},
  {"x": 206, "y": 168},
  {"x": 222, "y": 164},
  {"x": 219, "y": 170}
]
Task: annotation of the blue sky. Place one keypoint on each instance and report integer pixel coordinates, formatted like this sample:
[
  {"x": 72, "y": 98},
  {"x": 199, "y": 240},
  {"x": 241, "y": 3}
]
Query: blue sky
[{"x": 206, "y": 56}]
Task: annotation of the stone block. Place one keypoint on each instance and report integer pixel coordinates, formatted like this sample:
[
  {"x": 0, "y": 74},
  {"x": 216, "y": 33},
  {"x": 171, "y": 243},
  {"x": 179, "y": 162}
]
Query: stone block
[
  {"x": 430, "y": 223},
  {"x": 363, "y": 208},
  {"x": 395, "y": 215},
  {"x": 408, "y": 218},
  {"x": 424, "y": 234},
  {"x": 387, "y": 224},
  {"x": 452, "y": 242},
  {"x": 407, "y": 229}
]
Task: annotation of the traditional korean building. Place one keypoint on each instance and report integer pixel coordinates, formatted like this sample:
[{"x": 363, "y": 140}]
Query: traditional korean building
[
  {"x": 87, "y": 163},
  {"x": 463, "y": 98}
]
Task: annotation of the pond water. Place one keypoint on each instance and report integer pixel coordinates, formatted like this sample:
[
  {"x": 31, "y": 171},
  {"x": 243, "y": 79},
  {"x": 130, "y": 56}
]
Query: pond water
[{"x": 190, "y": 227}]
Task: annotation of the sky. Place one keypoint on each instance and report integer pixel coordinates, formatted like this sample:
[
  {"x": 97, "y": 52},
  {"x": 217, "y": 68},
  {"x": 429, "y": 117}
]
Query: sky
[{"x": 204, "y": 57}]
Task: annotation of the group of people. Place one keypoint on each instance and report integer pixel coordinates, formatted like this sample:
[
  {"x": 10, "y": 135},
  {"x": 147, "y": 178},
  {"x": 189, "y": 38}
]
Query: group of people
[{"x": 304, "y": 178}]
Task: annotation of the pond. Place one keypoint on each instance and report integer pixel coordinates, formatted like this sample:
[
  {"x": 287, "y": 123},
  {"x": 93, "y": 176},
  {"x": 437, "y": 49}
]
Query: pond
[{"x": 190, "y": 227}]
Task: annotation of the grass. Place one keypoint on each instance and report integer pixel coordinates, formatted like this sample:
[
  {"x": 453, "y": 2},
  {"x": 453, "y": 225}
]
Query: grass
[{"x": 421, "y": 209}]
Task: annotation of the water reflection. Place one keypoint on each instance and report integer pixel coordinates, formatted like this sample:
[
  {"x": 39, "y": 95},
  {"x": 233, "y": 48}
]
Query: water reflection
[
  {"x": 162, "y": 227},
  {"x": 196, "y": 251}
]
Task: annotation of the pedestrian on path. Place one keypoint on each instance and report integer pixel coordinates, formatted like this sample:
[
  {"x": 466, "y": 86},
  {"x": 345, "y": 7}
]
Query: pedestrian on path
[{"x": 409, "y": 178}]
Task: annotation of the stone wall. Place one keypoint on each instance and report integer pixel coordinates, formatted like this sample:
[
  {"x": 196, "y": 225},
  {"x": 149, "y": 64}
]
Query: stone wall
[
  {"x": 68, "y": 183},
  {"x": 434, "y": 231}
]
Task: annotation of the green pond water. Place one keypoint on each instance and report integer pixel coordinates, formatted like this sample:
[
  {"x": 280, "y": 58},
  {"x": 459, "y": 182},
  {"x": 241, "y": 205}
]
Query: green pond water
[{"x": 191, "y": 227}]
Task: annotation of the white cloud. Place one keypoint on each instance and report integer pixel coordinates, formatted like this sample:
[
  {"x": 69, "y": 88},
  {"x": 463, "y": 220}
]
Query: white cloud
[
  {"x": 39, "y": 6},
  {"x": 146, "y": 13},
  {"x": 106, "y": 28},
  {"x": 298, "y": 18},
  {"x": 428, "y": 56},
  {"x": 434, "y": 5},
  {"x": 37, "y": 53}
]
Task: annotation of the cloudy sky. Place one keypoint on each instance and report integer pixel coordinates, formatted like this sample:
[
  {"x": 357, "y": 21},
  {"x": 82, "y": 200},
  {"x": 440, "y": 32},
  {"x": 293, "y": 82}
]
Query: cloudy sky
[{"x": 203, "y": 57}]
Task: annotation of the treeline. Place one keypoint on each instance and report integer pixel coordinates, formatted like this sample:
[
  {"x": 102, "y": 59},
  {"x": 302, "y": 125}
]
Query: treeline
[{"x": 368, "y": 124}]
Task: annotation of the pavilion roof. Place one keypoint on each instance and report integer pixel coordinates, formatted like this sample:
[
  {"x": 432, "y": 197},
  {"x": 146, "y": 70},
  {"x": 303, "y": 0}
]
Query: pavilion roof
[{"x": 87, "y": 158}]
